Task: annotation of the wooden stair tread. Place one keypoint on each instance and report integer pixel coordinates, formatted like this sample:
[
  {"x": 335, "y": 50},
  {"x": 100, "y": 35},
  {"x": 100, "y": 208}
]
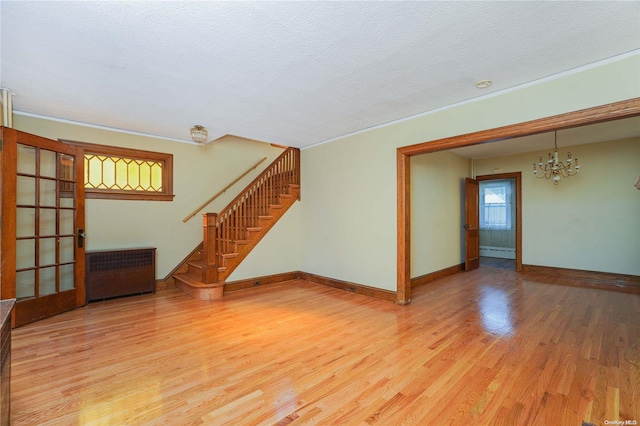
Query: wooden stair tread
[
  {"x": 265, "y": 217},
  {"x": 229, "y": 255},
  {"x": 196, "y": 263},
  {"x": 192, "y": 282},
  {"x": 254, "y": 228},
  {"x": 275, "y": 206}
]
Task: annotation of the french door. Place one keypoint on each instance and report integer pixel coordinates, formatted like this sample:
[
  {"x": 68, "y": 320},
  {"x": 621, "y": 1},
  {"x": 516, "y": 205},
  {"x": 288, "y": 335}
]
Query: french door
[{"x": 42, "y": 226}]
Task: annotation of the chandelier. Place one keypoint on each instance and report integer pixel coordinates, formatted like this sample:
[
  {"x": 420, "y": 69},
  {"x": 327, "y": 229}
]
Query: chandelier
[
  {"x": 554, "y": 169},
  {"x": 199, "y": 134}
]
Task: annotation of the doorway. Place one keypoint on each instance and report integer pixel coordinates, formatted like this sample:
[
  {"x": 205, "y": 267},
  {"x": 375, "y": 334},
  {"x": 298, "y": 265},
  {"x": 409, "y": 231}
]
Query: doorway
[
  {"x": 497, "y": 222},
  {"x": 493, "y": 228}
]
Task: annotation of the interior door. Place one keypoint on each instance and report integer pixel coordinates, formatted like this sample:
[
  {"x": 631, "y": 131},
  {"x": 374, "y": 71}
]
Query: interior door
[
  {"x": 42, "y": 226},
  {"x": 472, "y": 225}
]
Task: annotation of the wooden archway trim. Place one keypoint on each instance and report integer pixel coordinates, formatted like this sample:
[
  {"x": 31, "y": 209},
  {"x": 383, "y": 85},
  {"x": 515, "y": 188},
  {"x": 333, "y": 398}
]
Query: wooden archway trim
[{"x": 608, "y": 112}]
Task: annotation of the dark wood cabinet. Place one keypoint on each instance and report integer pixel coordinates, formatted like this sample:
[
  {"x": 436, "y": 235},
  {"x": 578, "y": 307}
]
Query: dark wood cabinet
[
  {"x": 6, "y": 306},
  {"x": 123, "y": 272}
]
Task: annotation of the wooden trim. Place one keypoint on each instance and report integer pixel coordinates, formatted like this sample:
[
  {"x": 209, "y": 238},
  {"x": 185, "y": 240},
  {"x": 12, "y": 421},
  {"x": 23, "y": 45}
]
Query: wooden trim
[
  {"x": 602, "y": 113},
  {"x": 608, "y": 112},
  {"x": 249, "y": 283},
  {"x": 8, "y": 235},
  {"x": 432, "y": 276},
  {"x": 364, "y": 290},
  {"x": 518, "y": 177},
  {"x": 350, "y": 287},
  {"x": 80, "y": 215},
  {"x": 595, "y": 279},
  {"x": 209, "y": 248},
  {"x": 298, "y": 168},
  {"x": 137, "y": 154},
  {"x": 403, "y": 293},
  {"x": 108, "y": 194},
  {"x": 260, "y": 281}
]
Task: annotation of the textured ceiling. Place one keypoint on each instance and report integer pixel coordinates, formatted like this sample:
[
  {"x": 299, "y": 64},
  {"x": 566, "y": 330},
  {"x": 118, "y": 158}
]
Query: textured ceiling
[{"x": 292, "y": 73}]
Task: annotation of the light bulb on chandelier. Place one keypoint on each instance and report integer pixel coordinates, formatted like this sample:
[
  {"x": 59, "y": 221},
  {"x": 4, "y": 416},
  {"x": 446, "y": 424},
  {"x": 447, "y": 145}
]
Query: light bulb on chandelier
[{"x": 553, "y": 168}]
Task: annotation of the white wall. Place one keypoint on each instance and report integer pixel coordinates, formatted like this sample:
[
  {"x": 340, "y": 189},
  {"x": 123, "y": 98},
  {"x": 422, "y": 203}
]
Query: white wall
[
  {"x": 198, "y": 173},
  {"x": 588, "y": 221},
  {"x": 437, "y": 211},
  {"x": 347, "y": 216},
  {"x": 348, "y": 220},
  {"x": 347, "y": 213},
  {"x": 277, "y": 252}
]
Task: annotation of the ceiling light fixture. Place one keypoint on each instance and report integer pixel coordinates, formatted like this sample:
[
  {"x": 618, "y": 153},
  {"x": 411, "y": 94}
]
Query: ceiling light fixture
[
  {"x": 199, "y": 134},
  {"x": 554, "y": 169},
  {"x": 484, "y": 84}
]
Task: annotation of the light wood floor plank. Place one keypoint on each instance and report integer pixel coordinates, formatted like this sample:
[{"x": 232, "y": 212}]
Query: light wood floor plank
[{"x": 488, "y": 346}]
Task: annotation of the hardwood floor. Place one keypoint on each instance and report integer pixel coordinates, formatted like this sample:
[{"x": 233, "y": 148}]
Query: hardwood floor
[
  {"x": 496, "y": 262},
  {"x": 483, "y": 347}
]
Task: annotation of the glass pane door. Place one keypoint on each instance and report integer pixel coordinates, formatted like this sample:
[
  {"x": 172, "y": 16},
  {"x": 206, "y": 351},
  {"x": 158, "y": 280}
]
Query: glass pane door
[
  {"x": 42, "y": 225},
  {"x": 45, "y": 222}
]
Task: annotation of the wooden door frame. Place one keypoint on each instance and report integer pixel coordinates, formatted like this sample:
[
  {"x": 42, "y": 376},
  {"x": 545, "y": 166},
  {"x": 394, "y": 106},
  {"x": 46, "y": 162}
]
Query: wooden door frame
[
  {"x": 518, "y": 199},
  {"x": 608, "y": 112}
]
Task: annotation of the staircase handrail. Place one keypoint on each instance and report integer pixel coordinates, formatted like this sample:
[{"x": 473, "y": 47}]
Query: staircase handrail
[
  {"x": 250, "y": 186},
  {"x": 222, "y": 191}
]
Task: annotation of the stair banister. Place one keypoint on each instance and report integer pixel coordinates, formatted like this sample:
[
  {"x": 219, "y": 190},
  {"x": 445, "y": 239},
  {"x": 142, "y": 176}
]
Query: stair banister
[
  {"x": 229, "y": 236},
  {"x": 240, "y": 218}
]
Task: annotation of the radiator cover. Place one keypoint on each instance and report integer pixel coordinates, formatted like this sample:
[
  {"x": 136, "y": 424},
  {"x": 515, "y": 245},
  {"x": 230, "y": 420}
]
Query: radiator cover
[{"x": 114, "y": 273}]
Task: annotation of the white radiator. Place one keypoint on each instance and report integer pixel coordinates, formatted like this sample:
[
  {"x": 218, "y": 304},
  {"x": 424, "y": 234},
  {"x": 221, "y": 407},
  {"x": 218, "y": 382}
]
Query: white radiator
[{"x": 501, "y": 252}]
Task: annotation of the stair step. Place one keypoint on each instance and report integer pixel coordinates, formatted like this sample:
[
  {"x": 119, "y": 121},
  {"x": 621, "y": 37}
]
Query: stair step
[
  {"x": 194, "y": 282},
  {"x": 195, "y": 268},
  {"x": 275, "y": 206},
  {"x": 195, "y": 275},
  {"x": 198, "y": 263},
  {"x": 265, "y": 217},
  {"x": 197, "y": 289},
  {"x": 242, "y": 242},
  {"x": 229, "y": 255},
  {"x": 254, "y": 228}
]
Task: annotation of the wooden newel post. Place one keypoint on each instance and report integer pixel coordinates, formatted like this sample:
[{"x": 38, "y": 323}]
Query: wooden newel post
[{"x": 209, "y": 248}]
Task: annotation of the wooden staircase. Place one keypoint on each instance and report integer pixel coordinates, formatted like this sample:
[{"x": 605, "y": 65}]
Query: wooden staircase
[{"x": 229, "y": 236}]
